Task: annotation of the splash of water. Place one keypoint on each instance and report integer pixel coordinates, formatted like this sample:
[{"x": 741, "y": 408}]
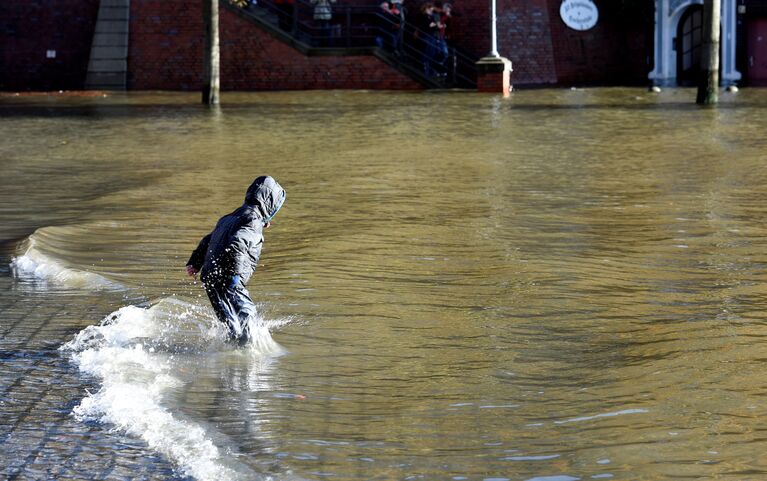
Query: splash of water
[
  {"x": 37, "y": 267},
  {"x": 139, "y": 356}
]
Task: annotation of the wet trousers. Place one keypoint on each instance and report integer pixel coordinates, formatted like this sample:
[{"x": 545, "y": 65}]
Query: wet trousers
[{"x": 233, "y": 305}]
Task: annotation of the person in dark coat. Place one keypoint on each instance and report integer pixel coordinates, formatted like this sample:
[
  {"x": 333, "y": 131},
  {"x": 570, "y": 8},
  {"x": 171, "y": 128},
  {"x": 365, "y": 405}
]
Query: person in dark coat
[
  {"x": 227, "y": 257},
  {"x": 433, "y": 48}
]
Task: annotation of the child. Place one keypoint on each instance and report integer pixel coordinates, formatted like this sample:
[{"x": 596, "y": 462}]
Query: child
[{"x": 228, "y": 256}]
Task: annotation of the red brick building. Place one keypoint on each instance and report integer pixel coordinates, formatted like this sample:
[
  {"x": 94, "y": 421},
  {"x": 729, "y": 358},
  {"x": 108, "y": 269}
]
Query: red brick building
[{"x": 46, "y": 44}]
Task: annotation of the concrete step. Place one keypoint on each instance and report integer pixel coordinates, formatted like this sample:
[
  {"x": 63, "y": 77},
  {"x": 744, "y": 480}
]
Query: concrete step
[
  {"x": 115, "y": 3},
  {"x": 113, "y": 13},
  {"x": 112, "y": 26},
  {"x": 108, "y": 65},
  {"x": 110, "y": 39},
  {"x": 106, "y": 81},
  {"x": 99, "y": 52}
]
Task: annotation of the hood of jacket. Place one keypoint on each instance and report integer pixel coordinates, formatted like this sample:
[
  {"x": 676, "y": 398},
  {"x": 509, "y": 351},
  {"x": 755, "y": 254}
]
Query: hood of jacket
[{"x": 266, "y": 196}]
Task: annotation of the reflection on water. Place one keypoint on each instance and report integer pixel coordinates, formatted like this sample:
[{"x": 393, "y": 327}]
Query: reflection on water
[{"x": 562, "y": 285}]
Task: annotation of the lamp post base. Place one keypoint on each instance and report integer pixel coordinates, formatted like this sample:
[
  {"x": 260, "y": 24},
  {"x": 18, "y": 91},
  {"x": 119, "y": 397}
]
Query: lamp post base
[{"x": 494, "y": 75}]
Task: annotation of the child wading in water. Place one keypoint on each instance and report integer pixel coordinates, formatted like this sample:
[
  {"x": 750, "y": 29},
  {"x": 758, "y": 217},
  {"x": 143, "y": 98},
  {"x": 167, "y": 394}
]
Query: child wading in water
[{"x": 227, "y": 257}]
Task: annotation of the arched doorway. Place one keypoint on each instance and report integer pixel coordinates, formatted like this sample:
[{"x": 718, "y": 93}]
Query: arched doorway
[{"x": 689, "y": 38}]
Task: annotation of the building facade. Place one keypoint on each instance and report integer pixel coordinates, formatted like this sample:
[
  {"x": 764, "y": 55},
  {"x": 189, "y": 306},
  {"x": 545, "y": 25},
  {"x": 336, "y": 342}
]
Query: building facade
[
  {"x": 678, "y": 35},
  {"x": 46, "y": 45}
]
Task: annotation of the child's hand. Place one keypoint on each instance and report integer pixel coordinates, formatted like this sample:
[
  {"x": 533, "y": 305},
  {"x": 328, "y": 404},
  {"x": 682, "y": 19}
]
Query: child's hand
[{"x": 191, "y": 271}]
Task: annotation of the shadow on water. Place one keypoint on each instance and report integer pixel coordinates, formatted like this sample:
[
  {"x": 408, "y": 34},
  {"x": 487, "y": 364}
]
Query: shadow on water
[
  {"x": 664, "y": 106},
  {"x": 99, "y": 111},
  {"x": 27, "y": 110}
]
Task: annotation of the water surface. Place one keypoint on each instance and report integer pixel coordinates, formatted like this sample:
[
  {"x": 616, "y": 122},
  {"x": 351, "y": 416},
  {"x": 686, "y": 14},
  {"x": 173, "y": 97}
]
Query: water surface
[{"x": 561, "y": 285}]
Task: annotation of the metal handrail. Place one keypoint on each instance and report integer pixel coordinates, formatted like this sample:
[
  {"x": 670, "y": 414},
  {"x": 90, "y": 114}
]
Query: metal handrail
[
  {"x": 363, "y": 26},
  {"x": 459, "y": 67}
]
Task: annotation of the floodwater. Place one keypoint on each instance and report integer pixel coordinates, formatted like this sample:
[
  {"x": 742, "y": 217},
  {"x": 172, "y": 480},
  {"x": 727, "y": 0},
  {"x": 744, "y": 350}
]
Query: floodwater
[{"x": 563, "y": 285}]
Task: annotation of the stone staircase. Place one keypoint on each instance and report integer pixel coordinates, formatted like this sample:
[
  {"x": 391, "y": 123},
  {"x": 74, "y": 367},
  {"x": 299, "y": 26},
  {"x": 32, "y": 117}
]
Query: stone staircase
[
  {"x": 410, "y": 63},
  {"x": 108, "y": 64}
]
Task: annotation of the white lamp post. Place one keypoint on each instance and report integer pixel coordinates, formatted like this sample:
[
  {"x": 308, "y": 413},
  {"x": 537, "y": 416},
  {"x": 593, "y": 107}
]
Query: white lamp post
[
  {"x": 493, "y": 35},
  {"x": 494, "y": 71}
]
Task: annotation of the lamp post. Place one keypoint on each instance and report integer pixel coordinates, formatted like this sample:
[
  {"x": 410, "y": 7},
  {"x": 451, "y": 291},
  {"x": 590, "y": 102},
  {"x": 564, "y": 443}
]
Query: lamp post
[
  {"x": 211, "y": 58},
  {"x": 494, "y": 71},
  {"x": 708, "y": 84},
  {"x": 493, "y": 33}
]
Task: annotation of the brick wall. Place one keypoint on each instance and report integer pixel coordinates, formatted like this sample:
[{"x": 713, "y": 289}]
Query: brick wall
[
  {"x": 471, "y": 25},
  {"x": 544, "y": 50},
  {"x": 29, "y": 28},
  {"x": 524, "y": 37},
  {"x": 166, "y": 47},
  {"x": 166, "y": 53},
  {"x": 612, "y": 52}
]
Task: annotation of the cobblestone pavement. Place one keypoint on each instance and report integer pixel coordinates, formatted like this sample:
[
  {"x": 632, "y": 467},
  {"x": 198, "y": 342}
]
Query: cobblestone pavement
[{"x": 39, "y": 387}]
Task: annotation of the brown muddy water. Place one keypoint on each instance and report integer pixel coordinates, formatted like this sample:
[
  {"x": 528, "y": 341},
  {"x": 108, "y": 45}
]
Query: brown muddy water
[{"x": 564, "y": 285}]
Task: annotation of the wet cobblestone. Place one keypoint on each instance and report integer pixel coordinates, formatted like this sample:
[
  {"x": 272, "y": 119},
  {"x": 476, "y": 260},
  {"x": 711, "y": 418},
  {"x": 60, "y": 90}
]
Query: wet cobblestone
[{"x": 39, "y": 387}]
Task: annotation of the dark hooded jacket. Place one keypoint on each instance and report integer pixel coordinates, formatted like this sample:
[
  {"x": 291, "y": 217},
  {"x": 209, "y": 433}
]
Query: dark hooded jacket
[{"x": 234, "y": 246}]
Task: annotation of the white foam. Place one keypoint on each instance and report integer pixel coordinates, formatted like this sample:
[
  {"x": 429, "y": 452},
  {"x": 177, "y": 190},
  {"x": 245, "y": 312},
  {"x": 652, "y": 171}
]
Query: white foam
[
  {"x": 35, "y": 266},
  {"x": 132, "y": 403},
  {"x": 139, "y": 355},
  {"x": 602, "y": 415}
]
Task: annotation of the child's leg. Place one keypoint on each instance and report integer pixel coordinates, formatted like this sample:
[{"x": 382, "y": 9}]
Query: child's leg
[
  {"x": 222, "y": 308},
  {"x": 233, "y": 306},
  {"x": 243, "y": 306}
]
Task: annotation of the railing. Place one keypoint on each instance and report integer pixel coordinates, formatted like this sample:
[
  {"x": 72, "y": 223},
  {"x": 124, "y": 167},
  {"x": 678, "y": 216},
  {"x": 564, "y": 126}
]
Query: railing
[{"x": 354, "y": 26}]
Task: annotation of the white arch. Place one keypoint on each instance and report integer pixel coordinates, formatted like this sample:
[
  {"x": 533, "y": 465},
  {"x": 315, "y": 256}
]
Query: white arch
[
  {"x": 676, "y": 16},
  {"x": 667, "y": 16}
]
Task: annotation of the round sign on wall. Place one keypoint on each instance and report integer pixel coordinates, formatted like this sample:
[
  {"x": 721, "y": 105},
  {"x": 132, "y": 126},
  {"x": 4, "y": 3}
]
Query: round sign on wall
[{"x": 579, "y": 14}]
